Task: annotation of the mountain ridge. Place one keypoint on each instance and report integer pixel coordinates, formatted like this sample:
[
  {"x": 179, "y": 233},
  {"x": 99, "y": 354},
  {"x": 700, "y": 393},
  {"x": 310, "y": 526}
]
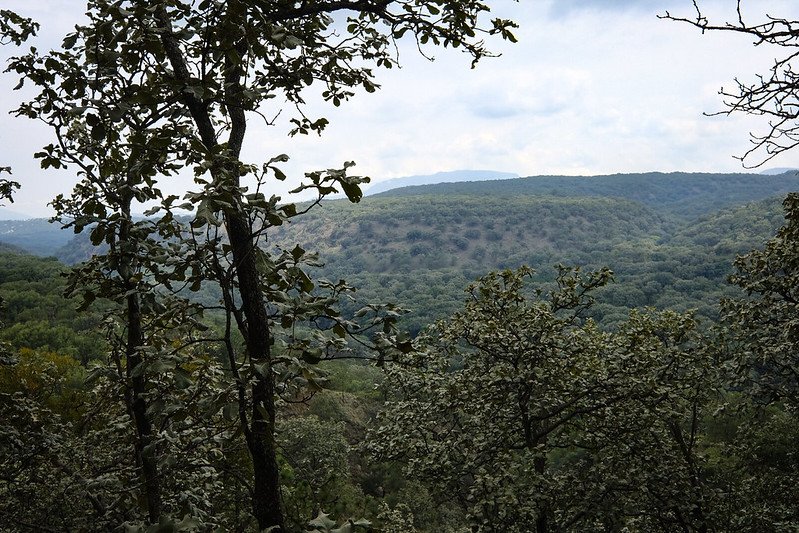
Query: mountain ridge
[
  {"x": 684, "y": 194},
  {"x": 453, "y": 176}
]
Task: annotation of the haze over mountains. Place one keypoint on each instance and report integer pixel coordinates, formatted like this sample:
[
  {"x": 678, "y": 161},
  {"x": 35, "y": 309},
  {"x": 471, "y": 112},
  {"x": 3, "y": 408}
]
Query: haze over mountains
[
  {"x": 778, "y": 170},
  {"x": 438, "y": 177},
  {"x": 9, "y": 214}
]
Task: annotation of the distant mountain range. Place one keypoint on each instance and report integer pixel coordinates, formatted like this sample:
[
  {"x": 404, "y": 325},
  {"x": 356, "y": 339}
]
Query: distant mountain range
[
  {"x": 779, "y": 170},
  {"x": 8, "y": 214},
  {"x": 36, "y": 235},
  {"x": 683, "y": 194},
  {"x": 455, "y": 176},
  {"x": 678, "y": 194}
]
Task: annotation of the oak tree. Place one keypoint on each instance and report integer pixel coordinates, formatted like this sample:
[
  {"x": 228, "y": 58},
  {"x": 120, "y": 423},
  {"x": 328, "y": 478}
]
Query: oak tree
[
  {"x": 763, "y": 325},
  {"x": 142, "y": 90},
  {"x": 531, "y": 418}
]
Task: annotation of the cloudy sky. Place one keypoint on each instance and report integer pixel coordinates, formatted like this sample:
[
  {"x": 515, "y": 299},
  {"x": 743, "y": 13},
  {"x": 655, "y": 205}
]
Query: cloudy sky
[{"x": 592, "y": 87}]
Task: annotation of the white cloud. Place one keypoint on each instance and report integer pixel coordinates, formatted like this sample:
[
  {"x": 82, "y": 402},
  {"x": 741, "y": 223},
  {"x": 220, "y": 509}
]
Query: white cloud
[
  {"x": 604, "y": 87},
  {"x": 564, "y": 8}
]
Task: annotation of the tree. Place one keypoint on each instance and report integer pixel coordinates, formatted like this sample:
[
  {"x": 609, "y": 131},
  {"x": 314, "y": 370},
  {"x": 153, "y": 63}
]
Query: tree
[
  {"x": 764, "y": 335},
  {"x": 772, "y": 95},
  {"x": 315, "y": 456},
  {"x": 14, "y": 29},
  {"x": 761, "y": 345},
  {"x": 760, "y": 334},
  {"x": 532, "y": 419},
  {"x": 144, "y": 89}
]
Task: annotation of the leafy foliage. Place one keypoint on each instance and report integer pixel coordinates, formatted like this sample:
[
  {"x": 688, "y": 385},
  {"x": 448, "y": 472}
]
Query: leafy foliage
[
  {"x": 764, "y": 324},
  {"x": 140, "y": 91},
  {"x": 534, "y": 420},
  {"x": 519, "y": 413}
]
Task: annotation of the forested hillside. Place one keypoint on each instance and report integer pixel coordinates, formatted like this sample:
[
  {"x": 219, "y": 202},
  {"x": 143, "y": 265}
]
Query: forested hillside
[
  {"x": 371, "y": 443},
  {"x": 35, "y": 313},
  {"x": 611, "y": 353},
  {"x": 686, "y": 195},
  {"x": 664, "y": 236},
  {"x": 420, "y": 251}
]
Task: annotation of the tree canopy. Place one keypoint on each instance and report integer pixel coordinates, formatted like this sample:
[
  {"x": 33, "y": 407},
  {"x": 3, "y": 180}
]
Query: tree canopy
[
  {"x": 518, "y": 413},
  {"x": 141, "y": 91}
]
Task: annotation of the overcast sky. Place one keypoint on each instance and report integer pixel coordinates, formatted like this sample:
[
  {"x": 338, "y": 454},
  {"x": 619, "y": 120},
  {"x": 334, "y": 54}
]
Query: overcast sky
[{"x": 592, "y": 87}]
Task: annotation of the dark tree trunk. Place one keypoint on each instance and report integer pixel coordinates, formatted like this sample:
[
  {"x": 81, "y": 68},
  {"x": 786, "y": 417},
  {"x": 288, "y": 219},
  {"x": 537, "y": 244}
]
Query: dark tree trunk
[
  {"x": 697, "y": 513},
  {"x": 260, "y": 435},
  {"x": 542, "y": 522},
  {"x": 532, "y": 441},
  {"x": 146, "y": 457}
]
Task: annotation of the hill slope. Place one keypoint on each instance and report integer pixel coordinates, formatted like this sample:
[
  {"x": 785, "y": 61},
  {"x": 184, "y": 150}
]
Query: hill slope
[
  {"x": 686, "y": 195},
  {"x": 661, "y": 233},
  {"x": 37, "y": 236},
  {"x": 421, "y": 251}
]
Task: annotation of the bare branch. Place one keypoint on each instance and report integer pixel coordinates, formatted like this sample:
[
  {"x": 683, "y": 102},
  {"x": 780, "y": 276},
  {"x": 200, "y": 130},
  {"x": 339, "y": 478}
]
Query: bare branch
[{"x": 774, "y": 95}]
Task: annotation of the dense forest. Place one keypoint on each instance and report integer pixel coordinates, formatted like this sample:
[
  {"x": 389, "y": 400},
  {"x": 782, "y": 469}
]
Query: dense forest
[
  {"x": 397, "y": 246},
  {"x": 673, "y": 250},
  {"x": 650, "y": 345},
  {"x": 613, "y": 353}
]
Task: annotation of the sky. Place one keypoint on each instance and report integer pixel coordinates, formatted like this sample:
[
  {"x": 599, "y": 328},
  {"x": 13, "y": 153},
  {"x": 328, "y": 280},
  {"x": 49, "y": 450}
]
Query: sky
[{"x": 592, "y": 87}]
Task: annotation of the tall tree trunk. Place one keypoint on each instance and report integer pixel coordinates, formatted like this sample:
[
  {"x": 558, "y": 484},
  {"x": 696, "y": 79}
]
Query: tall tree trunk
[
  {"x": 260, "y": 435},
  {"x": 532, "y": 440},
  {"x": 542, "y": 522},
  {"x": 146, "y": 457},
  {"x": 697, "y": 513}
]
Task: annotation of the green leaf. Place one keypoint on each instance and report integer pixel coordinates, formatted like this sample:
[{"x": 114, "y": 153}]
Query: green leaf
[
  {"x": 182, "y": 379},
  {"x": 290, "y": 210},
  {"x": 97, "y": 235},
  {"x": 352, "y": 191},
  {"x": 98, "y": 132},
  {"x": 205, "y": 216},
  {"x": 311, "y": 356},
  {"x": 323, "y": 521},
  {"x": 230, "y": 411},
  {"x": 340, "y": 331},
  {"x": 159, "y": 366},
  {"x": 297, "y": 252},
  {"x": 69, "y": 41}
]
